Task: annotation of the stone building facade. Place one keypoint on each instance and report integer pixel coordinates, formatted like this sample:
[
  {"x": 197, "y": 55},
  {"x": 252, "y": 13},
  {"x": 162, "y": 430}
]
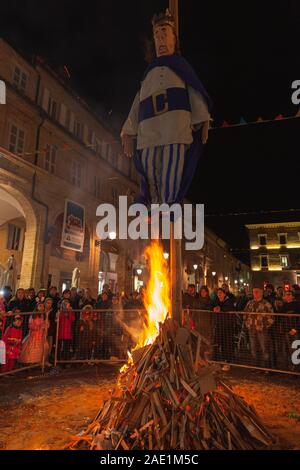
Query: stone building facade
[
  {"x": 275, "y": 252},
  {"x": 54, "y": 148}
]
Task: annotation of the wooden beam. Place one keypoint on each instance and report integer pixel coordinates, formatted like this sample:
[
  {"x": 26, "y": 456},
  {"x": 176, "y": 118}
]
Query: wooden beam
[{"x": 175, "y": 275}]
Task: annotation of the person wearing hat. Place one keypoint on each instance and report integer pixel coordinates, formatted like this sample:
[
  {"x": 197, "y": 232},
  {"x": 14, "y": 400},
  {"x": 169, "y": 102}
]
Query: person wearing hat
[{"x": 169, "y": 118}]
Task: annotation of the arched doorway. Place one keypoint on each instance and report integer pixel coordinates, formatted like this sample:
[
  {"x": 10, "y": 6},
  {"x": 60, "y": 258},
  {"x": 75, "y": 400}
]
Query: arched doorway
[{"x": 19, "y": 236}]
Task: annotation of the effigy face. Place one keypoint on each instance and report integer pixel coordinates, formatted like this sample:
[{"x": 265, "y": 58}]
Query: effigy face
[{"x": 164, "y": 39}]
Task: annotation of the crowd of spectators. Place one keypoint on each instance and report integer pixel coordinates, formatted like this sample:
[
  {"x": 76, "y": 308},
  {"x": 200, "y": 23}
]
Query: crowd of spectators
[{"x": 38, "y": 326}]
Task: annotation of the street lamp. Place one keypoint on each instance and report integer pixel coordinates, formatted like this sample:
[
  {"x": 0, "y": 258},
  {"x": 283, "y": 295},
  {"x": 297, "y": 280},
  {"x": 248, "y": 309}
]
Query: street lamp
[
  {"x": 139, "y": 271},
  {"x": 195, "y": 266},
  {"x": 214, "y": 273},
  {"x": 166, "y": 255},
  {"x": 226, "y": 278}
]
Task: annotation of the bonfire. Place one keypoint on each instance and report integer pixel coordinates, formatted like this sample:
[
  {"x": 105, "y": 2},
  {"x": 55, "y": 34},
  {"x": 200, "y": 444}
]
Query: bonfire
[{"x": 168, "y": 396}]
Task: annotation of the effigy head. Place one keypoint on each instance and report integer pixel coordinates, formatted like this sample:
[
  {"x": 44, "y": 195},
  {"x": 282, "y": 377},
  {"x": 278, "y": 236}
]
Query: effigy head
[{"x": 164, "y": 34}]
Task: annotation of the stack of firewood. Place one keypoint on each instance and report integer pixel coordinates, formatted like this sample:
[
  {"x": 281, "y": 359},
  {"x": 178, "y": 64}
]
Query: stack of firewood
[{"x": 171, "y": 398}]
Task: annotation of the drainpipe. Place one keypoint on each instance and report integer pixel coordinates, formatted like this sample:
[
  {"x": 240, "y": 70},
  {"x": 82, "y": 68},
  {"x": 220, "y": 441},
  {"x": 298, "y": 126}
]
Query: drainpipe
[{"x": 33, "y": 188}]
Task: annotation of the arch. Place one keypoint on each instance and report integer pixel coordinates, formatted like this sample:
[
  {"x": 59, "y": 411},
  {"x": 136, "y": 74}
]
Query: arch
[{"x": 30, "y": 264}]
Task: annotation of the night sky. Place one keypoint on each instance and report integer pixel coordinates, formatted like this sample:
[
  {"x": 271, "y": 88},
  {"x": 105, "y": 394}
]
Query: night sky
[{"x": 247, "y": 55}]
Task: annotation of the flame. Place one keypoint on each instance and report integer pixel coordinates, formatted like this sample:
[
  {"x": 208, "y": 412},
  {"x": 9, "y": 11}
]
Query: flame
[
  {"x": 156, "y": 299},
  {"x": 157, "y": 294}
]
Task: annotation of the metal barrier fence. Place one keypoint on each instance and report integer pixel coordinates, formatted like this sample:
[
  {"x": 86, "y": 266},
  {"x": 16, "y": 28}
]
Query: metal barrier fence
[
  {"x": 93, "y": 335},
  {"x": 251, "y": 340},
  {"x": 257, "y": 341}
]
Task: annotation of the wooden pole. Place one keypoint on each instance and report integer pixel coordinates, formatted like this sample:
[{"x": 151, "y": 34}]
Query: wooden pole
[
  {"x": 175, "y": 245},
  {"x": 174, "y": 9}
]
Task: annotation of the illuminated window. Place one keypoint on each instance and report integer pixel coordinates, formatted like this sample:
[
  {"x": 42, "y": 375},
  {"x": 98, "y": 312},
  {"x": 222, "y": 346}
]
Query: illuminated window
[
  {"x": 264, "y": 261},
  {"x": 262, "y": 239},
  {"x": 282, "y": 238},
  {"x": 284, "y": 261}
]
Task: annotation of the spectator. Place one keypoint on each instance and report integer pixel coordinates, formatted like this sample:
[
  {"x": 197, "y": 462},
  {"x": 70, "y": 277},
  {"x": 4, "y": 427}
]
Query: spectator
[
  {"x": 41, "y": 296},
  {"x": 20, "y": 304},
  {"x": 296, "y": 290},
  {"x": 106, "y": 289},
  {"x": 74, "y": 299},
  {"x": 287, "y": 330},
  {"x": 7, "y": 294},
  {"x": 203, "y": 302},
  {"x": 190, "y": 297},
  {"x": 65, "y": 334},
  {"x": 105, "y": 324},
  {"x": 31, "y": 299},
  {"x": 19, "y": 301},
  {"x": 103, "y": 302},
  {"x": 86, "y": 337},
  {"x": 269, "y": 294},
  {"x": 13, "y": 341},
  {"x": 34, "y": 346},
  {"x": 241, "y": 300},
  {"x": 53, "y": 294},
  {"x": 229, "y": 294},
  {"x": 50, "y": 316},
  {"x": 224, "y": 327},
  {"x": 258, "y": 326},
  {"x": 279, "y": 293},
  {"x": 86, "y": 299}
]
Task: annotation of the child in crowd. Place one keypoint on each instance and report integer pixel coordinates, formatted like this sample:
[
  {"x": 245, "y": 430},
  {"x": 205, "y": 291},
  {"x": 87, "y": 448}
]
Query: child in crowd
[
  {"x": 34, "y": 345},
  {"x": 13, "y": 341},
  {"x": 66, "y": 318},
  {"x": 86, "y": 340}
]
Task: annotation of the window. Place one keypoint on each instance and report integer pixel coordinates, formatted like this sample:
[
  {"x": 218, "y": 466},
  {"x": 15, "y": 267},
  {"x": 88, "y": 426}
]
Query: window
[
  {"x": 262, "y": 239},
  {"x": 14, "y": 237},
  {"x": 20, "y": 79},
  {"x": 16, "y": 140},
  {"x": 78, "y": 129},
  {"x": 282, "y": 238},
  {"x": 52, "y": 108},
  {"x": 76, "y": 174},
  {"x": 50, "y": 159},
  {"x": 284, "y": 261},
  {"x": 264, "y": 261}
]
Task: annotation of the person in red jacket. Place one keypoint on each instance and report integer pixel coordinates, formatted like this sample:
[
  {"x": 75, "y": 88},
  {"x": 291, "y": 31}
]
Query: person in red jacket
[
  {"x": 13, "y": 341},
  {"x": 65, "y": 330}
]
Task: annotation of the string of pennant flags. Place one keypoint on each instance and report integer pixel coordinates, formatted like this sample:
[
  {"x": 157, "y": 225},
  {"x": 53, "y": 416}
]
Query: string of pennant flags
[
  {"x": 259, "y": 120},
  {"x": 225, "y": 124}
]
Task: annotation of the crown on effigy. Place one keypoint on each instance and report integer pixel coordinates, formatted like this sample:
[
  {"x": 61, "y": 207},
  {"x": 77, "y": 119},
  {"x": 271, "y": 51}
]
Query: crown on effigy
[{"x": 163, "y": 18}]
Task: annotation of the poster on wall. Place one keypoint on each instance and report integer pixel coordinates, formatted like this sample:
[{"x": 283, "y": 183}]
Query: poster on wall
[{"x": 73, "y": 226}]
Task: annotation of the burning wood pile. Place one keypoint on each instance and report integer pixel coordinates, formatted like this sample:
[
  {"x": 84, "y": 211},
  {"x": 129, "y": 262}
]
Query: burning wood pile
[{"x": 170, "y": 398}]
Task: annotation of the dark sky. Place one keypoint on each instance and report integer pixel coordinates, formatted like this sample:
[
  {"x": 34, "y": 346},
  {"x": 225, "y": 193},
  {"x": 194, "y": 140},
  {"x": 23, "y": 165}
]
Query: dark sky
[{"x": 247, "y": 55}]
